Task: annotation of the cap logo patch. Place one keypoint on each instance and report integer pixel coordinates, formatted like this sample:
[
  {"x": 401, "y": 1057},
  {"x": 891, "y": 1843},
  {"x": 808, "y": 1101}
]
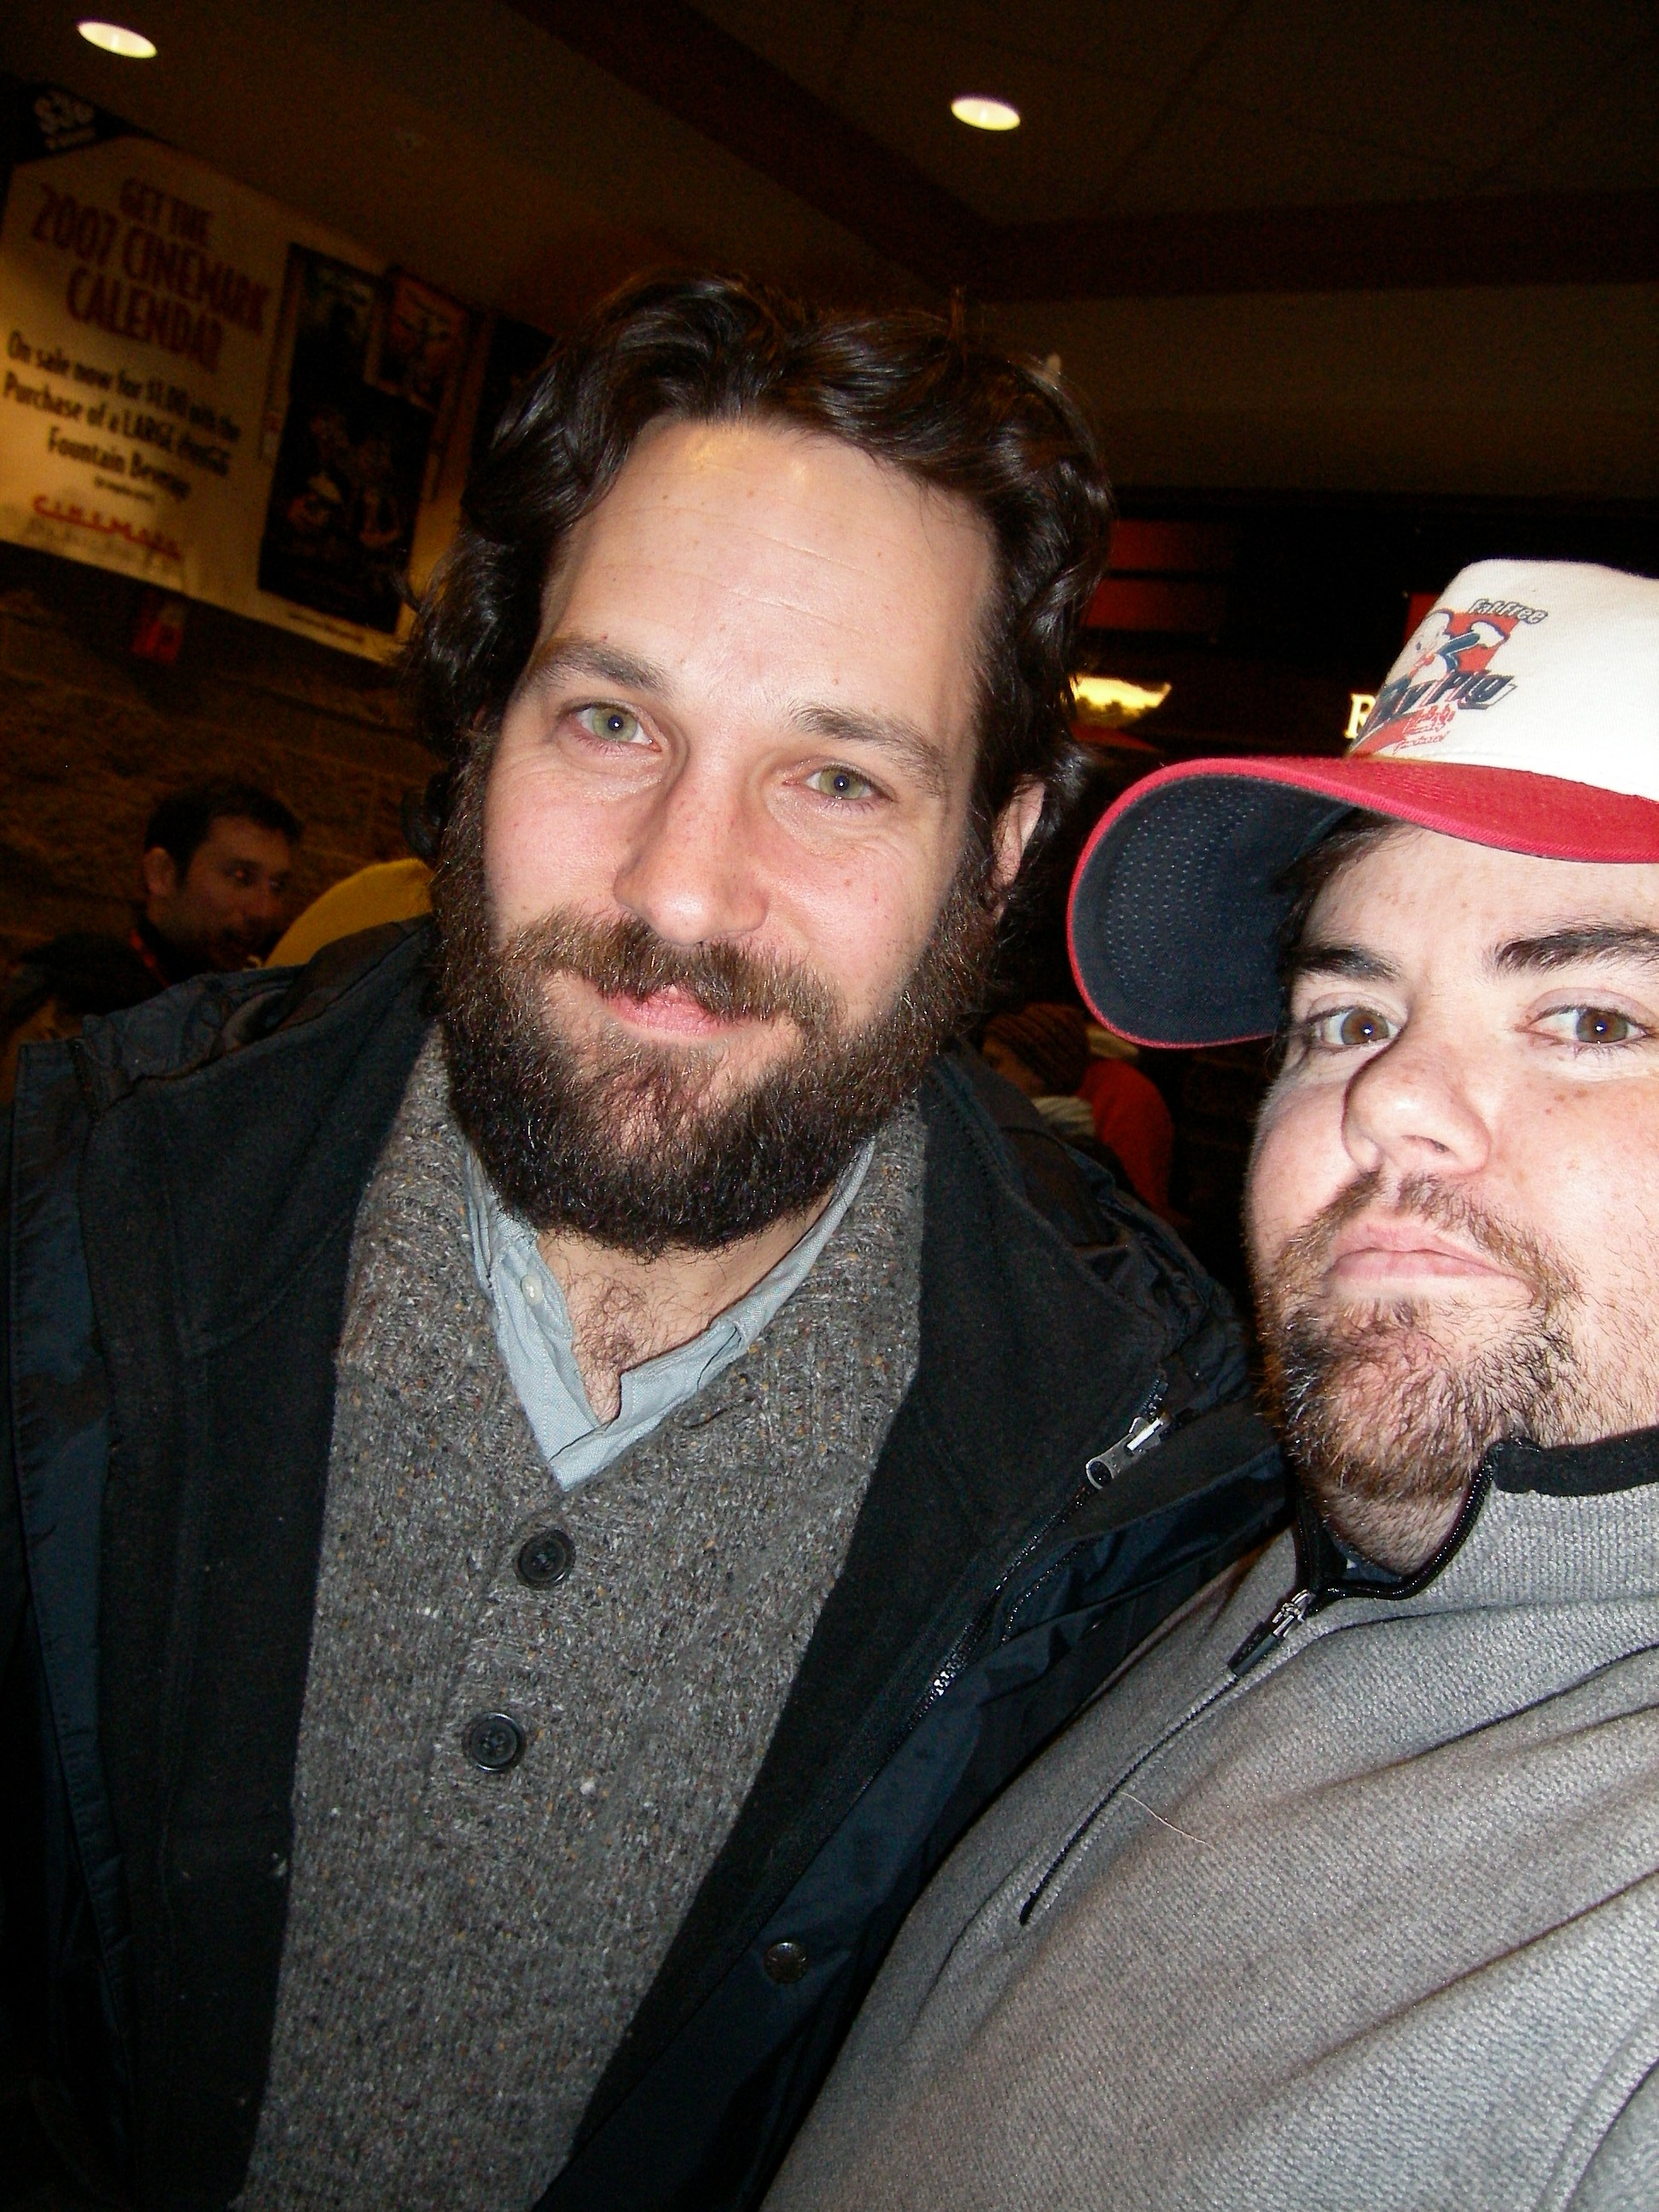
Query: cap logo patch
[{"x": 1448, "y": 670}]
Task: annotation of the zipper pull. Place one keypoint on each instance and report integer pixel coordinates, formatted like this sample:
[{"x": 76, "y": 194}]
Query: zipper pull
[
  {"x": 1274, "y": 1630},
  {"x": 1143, "y": 1434}
]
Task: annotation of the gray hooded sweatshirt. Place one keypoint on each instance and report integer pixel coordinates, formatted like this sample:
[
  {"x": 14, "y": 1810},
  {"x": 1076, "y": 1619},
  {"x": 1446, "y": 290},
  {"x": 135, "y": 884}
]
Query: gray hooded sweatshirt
[{"x": 1351, "y": 1901}]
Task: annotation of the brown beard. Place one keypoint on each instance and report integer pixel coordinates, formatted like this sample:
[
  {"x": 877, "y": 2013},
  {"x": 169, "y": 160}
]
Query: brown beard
[
  {"x": 631, "y": 1143},
  {"x": 1385, "y": 1422}
]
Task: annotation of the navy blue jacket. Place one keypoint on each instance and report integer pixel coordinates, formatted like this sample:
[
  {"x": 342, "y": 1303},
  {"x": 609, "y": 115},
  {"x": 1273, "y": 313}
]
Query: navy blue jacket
[{"x": 1075, "y": 1457}]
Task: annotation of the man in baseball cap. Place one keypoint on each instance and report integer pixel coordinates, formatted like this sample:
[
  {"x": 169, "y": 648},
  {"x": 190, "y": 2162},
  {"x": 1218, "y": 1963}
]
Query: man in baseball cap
[{"x": 1346, "y": 1892}]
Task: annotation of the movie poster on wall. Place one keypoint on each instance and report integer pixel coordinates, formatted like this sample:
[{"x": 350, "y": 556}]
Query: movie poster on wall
[
  {"x": 158, "y": 320},
  {"x": 350, "y": 458}
]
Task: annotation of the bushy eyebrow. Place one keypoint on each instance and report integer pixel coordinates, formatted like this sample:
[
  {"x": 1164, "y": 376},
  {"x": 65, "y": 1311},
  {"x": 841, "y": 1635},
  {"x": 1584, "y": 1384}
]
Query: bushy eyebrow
[
  {"x": 892, "y": 733},
  {"x": 1568, "y": 948},
  {"x": 1352, "y": 961},
  {"x": 606, "y": 663}
]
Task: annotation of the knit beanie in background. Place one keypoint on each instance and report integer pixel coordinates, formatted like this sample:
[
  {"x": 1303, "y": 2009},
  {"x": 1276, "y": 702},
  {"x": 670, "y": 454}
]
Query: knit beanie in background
[{"x": 1051, "y": 1040}]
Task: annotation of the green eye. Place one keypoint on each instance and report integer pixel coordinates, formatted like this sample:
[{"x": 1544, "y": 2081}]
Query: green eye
[
  {"x": 840, "y": 783},
  {"x": 613, "y": 725}
]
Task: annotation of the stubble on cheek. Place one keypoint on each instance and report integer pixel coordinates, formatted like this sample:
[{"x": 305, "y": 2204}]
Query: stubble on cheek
[{"x": 1387, "y": 1406}]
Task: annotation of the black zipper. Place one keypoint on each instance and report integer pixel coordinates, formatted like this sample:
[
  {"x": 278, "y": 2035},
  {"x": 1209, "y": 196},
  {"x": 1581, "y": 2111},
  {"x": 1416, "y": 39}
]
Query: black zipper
[
  {"x": 1150, "y": 1424},
  {"x": 1143, "y": 1434},
  {"x": 1289, "y": 1613},
  {"x": 1324, "y": 1574}
]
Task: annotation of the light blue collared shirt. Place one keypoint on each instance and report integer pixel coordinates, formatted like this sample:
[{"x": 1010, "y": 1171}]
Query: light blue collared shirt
[{"x": 532, "y": 1329}]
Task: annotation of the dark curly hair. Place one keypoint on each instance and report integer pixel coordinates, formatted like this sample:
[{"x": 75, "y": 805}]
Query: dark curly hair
[{"x": 912, "y": 389}]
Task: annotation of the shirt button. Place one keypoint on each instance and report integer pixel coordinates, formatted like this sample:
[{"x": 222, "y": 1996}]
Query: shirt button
[
  {"x": 786, "y": 1961},
  {"x": 532, "y": 1290},
  {"x": 545, "y": 1559},
  {"x": 494, "y": 1742}
]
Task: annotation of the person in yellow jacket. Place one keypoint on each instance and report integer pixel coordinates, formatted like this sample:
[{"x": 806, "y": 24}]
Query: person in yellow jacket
[{"x": 390, "y": 891}]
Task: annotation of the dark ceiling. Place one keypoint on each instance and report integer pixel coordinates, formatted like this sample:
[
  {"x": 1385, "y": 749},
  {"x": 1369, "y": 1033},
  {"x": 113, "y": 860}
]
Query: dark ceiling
[
  {"x": 1146, "y": 107},
  {"x": 1174, "y": 146},
  {"x": 1407, "y": 248},
  {"x": 1169, "y": 147}
]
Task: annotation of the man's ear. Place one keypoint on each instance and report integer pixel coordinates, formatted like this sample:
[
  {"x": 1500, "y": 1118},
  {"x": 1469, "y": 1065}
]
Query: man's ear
[
  {"x": 1013, "y": 833},
  {"x": 161, "y": 873}
]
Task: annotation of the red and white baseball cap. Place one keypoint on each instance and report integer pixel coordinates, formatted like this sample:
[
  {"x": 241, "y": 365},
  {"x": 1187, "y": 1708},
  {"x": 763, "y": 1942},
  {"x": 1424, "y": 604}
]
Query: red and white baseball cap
[{"x": 1523, "y": 713}]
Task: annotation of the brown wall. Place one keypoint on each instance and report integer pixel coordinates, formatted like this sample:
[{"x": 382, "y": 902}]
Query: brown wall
[
  {"x": 91, "y": 737},
  {"x": 1539, "y": 392}
]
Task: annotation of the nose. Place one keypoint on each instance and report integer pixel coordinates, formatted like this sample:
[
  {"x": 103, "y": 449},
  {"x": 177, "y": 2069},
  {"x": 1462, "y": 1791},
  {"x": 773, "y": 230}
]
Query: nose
[
  {"x": 1413, "y": 1109},
  {"x": 692, "y": 869}
]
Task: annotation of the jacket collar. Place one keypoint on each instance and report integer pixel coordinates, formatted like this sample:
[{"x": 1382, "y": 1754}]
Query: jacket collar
[
  {"x": 1563, "y": 1524},
  {"x": 217, "y": 1190},
  {"x": 1613, "y": 1463}
]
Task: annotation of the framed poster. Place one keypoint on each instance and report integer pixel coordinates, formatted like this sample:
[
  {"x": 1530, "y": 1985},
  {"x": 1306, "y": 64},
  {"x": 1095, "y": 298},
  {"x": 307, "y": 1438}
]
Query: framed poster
[{"x": 351, "y": 460}]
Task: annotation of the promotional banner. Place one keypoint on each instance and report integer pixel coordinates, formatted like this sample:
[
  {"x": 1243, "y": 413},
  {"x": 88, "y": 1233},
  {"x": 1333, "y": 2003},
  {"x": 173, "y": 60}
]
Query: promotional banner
[{"x": 204, "y": 389}]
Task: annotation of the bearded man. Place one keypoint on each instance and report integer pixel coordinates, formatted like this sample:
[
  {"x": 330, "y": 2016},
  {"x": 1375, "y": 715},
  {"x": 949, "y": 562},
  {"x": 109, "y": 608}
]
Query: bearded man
[
  {"x": 1346, "y": 1891},
  {"x": 534, "y": 1530}
]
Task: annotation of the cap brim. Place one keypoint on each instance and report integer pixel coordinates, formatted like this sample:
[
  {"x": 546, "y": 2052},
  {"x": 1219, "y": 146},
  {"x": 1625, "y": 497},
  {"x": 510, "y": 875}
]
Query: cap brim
[{"x": 1175, "y": 910}]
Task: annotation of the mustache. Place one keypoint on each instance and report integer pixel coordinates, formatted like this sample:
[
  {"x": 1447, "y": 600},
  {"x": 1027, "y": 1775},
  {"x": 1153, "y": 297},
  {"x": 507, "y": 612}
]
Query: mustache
[
  {"x": 1303, "y": 1257},
  {"x": 625, "y": 957}
]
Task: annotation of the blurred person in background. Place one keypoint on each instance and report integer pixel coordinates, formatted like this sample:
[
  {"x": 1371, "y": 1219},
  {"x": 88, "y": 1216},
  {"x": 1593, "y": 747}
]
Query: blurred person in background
[
  {"x": 387, "y": 890},
  {"x": 368, "y": 898},
  {"x": 584, "y": 1363},
  {"x": 1079, "y": 1079},
  {"x": 1042, "y": 1049},
  {"x": 54, "y": 988},
  {"x": 1131, "y": 1117},
  {"x": 218, "y": 859}
]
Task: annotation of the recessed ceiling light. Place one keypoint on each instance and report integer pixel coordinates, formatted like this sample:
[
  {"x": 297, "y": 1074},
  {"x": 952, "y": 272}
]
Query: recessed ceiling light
[
  {"x": 979, "y": 114},
  {"x": 116, "y": 39}
]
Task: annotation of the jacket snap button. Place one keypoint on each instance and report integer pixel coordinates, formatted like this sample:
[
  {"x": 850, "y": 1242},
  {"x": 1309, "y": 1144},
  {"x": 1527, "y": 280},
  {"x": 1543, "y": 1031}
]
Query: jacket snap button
[
  {"x": 494, "y": 1742},
  {"x": 545, "y": 1559},
  {"x": 786, "y": 1961}
]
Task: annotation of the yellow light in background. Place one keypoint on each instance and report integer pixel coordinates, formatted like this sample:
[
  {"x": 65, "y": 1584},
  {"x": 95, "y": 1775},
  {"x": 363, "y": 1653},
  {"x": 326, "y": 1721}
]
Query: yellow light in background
[
  {"x": 1111, "y": 701},
  {"x": 982, "y": 114},
  {"x": 1359, "y": 706},
  {"x": 116, "y": 39}
]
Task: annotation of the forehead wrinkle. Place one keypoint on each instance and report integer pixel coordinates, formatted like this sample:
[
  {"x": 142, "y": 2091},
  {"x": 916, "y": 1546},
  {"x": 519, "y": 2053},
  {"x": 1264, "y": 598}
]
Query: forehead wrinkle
[
  {"x": 1574, "y": 945},
  {"x": 834, "y": 618},
  {"x": 877, "y": 542},
  {"x": 854, "y": 565},
  {"x": 716, "y": 526},
  {"x": 934, "y": 509},
  {"x": 933, "y": 503}
]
